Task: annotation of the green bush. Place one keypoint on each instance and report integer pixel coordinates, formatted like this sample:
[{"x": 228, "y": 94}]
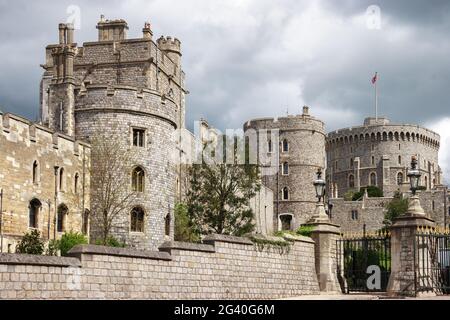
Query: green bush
[
  {"x": 348, "y": 196},
  {"x": 31, "y": 243},
  {"x": 70, "y": 240},
  {"x": 52, "y": 248},
  {"x": 111, "y": 242},
  {"x": 305, "y": 231},
  {"x": 372, "y": 191}
]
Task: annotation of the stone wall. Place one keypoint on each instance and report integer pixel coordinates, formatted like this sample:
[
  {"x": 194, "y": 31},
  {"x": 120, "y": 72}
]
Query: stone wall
[
  {"x": 222, "y": 268},
  {"x": 28, "y": 155}
]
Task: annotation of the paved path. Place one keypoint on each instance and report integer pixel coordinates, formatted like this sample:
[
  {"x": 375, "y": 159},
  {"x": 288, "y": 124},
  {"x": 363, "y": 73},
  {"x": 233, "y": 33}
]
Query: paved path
[{"x": 363, "y": 297}]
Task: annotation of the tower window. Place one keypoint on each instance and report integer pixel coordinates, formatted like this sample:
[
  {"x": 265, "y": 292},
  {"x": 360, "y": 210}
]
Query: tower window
[
  {"x": 373, "y": 179},
  {"x": 35, "y": 206},
  {"x": 61, "y": 221},
  {"x": 77, "y": 178},
  {"x": 286, "y": 222},
  {"x": 355, "y": 215},
  {"x": 372, "y": 160},
  {"x": 351, "y": 181},
  {"x": 35, "y": 172},
  {"x": 61, "y": 179},
  {"x": 137, "y": 180},
  {"x": 399, "y": 159},
  {"x": 285, "y": 193},
  {"x": 138, "y": 137},
  {"x": 137, "y": 220},
  {"x": 285, "y": 168},
  {"x": 167, "y": 224},
  {"x": 269, "y": 146},
  {"x": 285, "y": 146}
]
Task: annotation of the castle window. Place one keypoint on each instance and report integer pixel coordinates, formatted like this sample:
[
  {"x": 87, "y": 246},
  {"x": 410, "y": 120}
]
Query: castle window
[
  {"x": 355, "y": 215},
  {"x": 372, "y": 160},
  {"x": 399, "y": 159},
  {"x": 335, "y": 165},
  {"x": 285, "y": 146},
  {"x": 167, "y": 224},
  {"x": 433, "y": 205},
  {"x": 373, "y": 179},
  {"x": 426, "y": 182},
  {"x": 35, "y": 172},
  {"x": 85, "y": 228},
  {"x": 285, "y": 168},
  {"x": 61, "y": 179},
  {"x": 373, "y": 147},
  {"x": 400, "y": 178},
  {"x": 34, "y": 207},
  {"x": 138, "y": 137},
  {"x": 137, "y": 220},
  {"x": 352, "y": 162},
  {"x": 286, "y": 222},
  {"x": 285, "y": 193},
  {"x": 351, "y": 181},
  {"x": 137, "y": 179},
  {"x": 61, "y": 221},
  {"x": 269, "y": 146},
  {"x": 77, "y": 178}
]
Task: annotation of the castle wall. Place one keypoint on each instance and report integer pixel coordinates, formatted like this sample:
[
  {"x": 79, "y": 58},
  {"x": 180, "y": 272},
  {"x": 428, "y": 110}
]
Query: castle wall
[
  {"x": 376, "y": 148},
  {"x": 21, "y": 144},
  {"x": 306, "y": 154},
  {"x": 225, "y": 268}
]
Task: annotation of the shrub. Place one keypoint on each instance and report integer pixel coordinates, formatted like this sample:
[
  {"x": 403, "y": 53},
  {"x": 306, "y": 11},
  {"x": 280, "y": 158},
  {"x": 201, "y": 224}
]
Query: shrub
[
  {"x": 70, "y": 240},
  {"x": 348, "y": 196},
  {"x": 31, "y": 243},
  {"x": 305, "y": 231},
  {"x": 372, "y": 191},
  {"x": 395, "y": 208},
  {"x": 52, "y": 248},
  {"x": 111, "y": 242}
]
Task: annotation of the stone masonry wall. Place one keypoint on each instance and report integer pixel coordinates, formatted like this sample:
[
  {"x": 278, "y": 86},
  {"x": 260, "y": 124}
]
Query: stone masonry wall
[{"x": 223, "y": 268}]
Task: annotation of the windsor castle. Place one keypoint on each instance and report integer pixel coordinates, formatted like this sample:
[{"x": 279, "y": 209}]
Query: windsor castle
[{"x": 133, "y": 91}]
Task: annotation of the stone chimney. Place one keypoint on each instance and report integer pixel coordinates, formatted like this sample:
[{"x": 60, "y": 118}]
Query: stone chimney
[
  {"x": 112, "y": 30},
  {"x": 147, "y": 31},
  {"x": 306, "y": 111}
]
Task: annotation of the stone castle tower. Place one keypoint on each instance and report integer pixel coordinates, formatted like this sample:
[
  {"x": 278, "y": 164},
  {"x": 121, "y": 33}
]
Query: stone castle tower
[
  {"x": 379, "y": 153},
  {"x": 133, "y": 91},
  {"x": 299, "y": 142}
]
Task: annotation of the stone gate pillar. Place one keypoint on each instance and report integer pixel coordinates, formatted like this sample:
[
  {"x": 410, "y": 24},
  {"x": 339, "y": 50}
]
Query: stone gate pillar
[
  {"x": 404, "y": 251},
  {"x": 325, "y": 234}
]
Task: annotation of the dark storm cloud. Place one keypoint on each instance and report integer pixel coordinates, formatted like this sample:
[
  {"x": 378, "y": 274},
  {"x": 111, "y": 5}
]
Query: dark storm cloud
[{"x": 246, "y": 59}]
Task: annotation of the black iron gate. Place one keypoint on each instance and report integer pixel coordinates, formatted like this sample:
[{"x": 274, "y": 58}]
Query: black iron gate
[
  {"x": 364, "y": 262},
  {"x": 432, "y": 261}
]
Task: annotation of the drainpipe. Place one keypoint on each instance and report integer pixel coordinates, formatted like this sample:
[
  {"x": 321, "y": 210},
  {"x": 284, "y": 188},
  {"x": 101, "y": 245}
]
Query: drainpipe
[{"x": 55, "y": 220}]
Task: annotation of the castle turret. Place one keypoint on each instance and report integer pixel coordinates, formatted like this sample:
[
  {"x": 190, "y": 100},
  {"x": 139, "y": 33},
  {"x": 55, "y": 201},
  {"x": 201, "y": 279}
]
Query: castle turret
[
  {"x": 172, "y": 47},
  {"x": 112, "y": 30}
]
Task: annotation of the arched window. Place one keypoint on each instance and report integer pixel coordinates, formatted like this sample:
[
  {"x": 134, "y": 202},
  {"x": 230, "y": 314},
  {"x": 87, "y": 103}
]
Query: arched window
[
  {"x": 373, "y": 179},
  {"x": 285, "y": 168},
  {"x": 61, "y": 179},
  {"x": 34, "y": 207},
  {"x": 351, "y": 181},
  {"x": 285, "y": 145},
  {"x": 35, "y": 172},
  {"x": 372, "y": 160},
  {"x": 400, "y": 178},
  {"x": 137, "y": 179},
  {"x": 61, "y": 221},
  {"x": 85, "y": 228},
  {"x": 76, "y": 181},
  {"x": 137, "y": 220},
  {"x": 168, "y": 221},
  {"x": 285, "y": 193}
]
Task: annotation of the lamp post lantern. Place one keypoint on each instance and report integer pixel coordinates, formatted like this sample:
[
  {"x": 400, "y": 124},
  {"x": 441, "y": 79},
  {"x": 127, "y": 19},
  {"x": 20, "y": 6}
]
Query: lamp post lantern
[
  {"x": 414, "y": 208},
  {"x": 319, "y": 185}
]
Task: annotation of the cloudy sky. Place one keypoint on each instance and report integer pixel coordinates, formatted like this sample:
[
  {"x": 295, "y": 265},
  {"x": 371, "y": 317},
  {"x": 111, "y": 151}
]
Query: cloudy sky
[{"x": 253, "y": 58}]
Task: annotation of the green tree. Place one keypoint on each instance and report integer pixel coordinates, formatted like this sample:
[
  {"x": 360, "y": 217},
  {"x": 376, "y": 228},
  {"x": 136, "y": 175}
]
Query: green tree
[
  {"x": 218, "y": 200},
  {"x": 395, "y": 208},
  {"x": 184, "y": 230},
  {"x": 31, "y": 243}
]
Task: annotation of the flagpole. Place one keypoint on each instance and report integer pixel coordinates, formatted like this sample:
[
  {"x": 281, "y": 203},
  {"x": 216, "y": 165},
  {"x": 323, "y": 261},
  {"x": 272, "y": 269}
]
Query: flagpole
[{"x": 376, "y": 98}]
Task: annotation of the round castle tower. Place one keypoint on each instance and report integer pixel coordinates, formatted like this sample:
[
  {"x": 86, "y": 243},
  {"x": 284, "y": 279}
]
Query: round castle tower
[
  {"x": 299, "y": 142},
  {"x": 132, "y": 91},
  {"x": 379, "y": 154}
]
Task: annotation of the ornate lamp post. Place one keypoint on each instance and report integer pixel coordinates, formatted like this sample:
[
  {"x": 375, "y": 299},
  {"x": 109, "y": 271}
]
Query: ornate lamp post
[
  {"x": 414, "y": 178},
  {"x": 319, "y": 185}
]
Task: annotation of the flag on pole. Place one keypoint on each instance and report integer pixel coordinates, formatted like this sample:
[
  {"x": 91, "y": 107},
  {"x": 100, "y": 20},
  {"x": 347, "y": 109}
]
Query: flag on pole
[{"x": 375, "y": 78}]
